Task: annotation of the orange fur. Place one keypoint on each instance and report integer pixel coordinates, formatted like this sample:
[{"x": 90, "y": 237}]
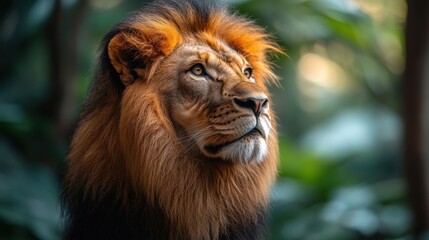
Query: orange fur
[{"x": 126, "y": 141}]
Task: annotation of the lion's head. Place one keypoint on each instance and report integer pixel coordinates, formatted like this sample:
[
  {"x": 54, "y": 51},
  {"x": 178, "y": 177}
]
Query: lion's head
[
  {"x": 209, "y": 75},
  {"x": 179, "y": 111}
]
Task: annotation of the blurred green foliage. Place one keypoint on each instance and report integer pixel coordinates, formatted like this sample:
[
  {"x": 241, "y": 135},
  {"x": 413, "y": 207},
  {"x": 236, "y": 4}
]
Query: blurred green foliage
[
  {"x": 338, "y": 107},
  {"x": 338, "y": 110}
]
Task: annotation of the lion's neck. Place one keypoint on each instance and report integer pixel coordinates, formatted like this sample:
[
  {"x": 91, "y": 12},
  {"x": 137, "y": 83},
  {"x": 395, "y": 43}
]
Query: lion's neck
[{"x": 205, "y": 199}]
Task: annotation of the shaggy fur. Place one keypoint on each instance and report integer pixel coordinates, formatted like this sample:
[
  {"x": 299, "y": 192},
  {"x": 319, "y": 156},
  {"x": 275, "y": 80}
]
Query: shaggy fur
[{"x": 131, "y": 173}]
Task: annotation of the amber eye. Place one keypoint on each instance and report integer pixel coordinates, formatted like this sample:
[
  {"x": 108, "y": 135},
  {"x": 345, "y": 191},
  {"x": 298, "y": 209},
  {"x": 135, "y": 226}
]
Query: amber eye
[
  {"x": 198, "y": 70},
  {"x": 248, "y": 72}
]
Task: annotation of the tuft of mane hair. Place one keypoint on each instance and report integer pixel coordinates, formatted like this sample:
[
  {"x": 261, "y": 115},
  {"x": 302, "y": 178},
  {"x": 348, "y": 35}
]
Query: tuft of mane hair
[{"x": 129, "y": 175}]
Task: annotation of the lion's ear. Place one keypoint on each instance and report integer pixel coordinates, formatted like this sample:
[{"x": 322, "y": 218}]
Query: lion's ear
[
  {"x": 132, "y": 51},
  {"x": 126, "y": 54},
  {"x": 129, "y": 55}
]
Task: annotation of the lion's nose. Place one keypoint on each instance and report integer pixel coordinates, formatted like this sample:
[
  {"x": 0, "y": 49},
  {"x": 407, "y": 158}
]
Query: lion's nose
[{"x": 255, "y": 104}]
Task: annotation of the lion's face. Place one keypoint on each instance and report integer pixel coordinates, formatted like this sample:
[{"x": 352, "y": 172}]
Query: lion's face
[{"x": 217, "y": 105}]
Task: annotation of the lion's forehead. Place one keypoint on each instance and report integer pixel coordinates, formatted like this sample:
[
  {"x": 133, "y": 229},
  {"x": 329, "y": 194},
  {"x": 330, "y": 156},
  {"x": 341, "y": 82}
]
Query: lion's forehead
[{"x": 207, "y": 53}]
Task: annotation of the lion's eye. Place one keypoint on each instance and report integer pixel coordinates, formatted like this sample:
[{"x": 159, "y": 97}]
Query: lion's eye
[
  {"x": 248, "y": 72},
  {"x": 198, "y": 70}
]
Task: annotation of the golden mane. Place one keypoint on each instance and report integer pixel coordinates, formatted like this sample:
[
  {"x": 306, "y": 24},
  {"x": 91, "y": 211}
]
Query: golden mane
[{"x": 134, "y": 155}]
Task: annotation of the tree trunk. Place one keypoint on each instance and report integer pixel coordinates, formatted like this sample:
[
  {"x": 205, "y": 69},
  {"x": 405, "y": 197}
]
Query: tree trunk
[
  {"x": 64, "y": 37},
  {"x": 416, "y": 113}
]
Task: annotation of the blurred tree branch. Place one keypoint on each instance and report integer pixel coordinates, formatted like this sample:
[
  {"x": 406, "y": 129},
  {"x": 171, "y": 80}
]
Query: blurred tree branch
[
  {"x": 416, "y": 93},
  {"x": 64, "y": 36}
]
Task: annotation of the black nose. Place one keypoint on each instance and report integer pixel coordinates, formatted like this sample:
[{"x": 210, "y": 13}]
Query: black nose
[{"x": 255, "y": 104}]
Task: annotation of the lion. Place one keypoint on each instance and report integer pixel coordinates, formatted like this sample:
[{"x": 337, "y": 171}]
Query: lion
[{"x": 177, "y": 139}]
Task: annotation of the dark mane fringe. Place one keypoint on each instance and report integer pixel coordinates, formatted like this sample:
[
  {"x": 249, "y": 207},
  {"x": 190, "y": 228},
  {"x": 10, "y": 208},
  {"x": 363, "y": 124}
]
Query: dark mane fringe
[{"x": 204, "y": 9}]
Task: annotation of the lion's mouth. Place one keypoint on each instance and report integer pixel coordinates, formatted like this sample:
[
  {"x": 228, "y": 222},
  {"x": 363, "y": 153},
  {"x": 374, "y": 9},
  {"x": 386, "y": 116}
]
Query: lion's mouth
[{"x": 213, "y": 149}]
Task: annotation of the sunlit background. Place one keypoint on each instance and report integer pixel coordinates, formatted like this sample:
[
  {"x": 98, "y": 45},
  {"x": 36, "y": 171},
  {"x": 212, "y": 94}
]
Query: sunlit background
[{"x": 338, "y": 105}]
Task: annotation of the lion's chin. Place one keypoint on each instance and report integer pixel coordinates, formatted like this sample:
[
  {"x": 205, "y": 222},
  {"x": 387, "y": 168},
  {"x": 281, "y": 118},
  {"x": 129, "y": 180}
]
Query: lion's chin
[{"x": 249, "y": 149}]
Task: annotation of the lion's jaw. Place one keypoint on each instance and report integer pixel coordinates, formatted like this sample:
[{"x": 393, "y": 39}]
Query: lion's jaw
[{"x": 218, "y": 112}]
